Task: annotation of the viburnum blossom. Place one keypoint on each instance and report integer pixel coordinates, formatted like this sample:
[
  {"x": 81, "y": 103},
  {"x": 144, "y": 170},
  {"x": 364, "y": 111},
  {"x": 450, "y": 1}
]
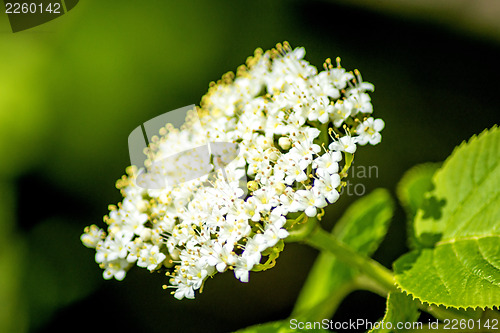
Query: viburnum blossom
[{"x": 292, "y": 126}]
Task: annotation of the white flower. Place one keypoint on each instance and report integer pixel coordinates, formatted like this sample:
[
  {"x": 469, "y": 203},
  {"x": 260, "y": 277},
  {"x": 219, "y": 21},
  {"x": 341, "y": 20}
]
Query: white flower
[
  {"x": 328, "y": 161},
  {"x": 116, "y": 268},
  {"x": 253, "y": 249},
  {"x": 133, "y": 249},
  {"x": 242, "y": 268},
  {"x": 220, "y": 256},
  {"x": 359, "y": 86},
  {"x": 326, "y": 185},
  {"x": 289, "y": 168},
  {"x": 286, "y": 198},
  {"x": 321, "y": 110},
  {"x": 361, "y": 103},
  {"x": 265, "y": 198},
  {"x": 277, "y": 217},
  {"x": 346, "y": 143},
  {"x": 369, "y": 131},
  {"x": 303, "y": 151},
  {"x": 308, "y": 202},
  {"x": 92, "y": 236},
  {"x": 273, "y": 234},
  {"x": 341, "y": 111},
  {"x": 150, "y": 257},
  {"x": 323, "y": 85},
  {"x": 184, "y": 290},
  {"x": 339, "y": 77},
  {"x": 233, "y": 229},
  {"x": 114, "y": 248}
]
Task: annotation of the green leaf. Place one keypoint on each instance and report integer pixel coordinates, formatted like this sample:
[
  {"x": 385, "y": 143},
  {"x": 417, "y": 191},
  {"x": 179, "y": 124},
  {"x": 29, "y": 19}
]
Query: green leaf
[
  {"x": 465, "y": 200},
  {"x": 362, "y": 227},
  {"x": 463, "y": 274},
  {"x": 411, "y": 190},
  {"x": 400, "y": 310},
  {"x": 458, "y": 226},
  {"x": 364, "y": 224},
  {"x": 284, "y": 326}
]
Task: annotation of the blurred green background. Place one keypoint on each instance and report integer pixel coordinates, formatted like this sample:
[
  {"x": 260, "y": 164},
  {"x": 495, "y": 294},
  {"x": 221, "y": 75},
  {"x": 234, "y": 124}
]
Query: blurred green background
[{"x": 73, "y": 89}]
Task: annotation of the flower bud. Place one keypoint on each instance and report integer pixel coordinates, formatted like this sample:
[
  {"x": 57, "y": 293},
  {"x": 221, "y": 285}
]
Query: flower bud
[
  {"x": 252, "y": 185},
  {"x": 284, "y": 143},
  {"x": 280, "y": 188},
  {"x": 146, "y": 234},
  {"x": 272, "y": 153}
]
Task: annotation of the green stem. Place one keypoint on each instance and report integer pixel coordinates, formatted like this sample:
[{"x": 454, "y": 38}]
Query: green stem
[
  {"x": 378, "y": 274},
  {"x": 301, "y": 229},
  {"x": 348, "y": 161},
  {"x": 324, "y": 138},
  {"x": 364, "y": 282}
]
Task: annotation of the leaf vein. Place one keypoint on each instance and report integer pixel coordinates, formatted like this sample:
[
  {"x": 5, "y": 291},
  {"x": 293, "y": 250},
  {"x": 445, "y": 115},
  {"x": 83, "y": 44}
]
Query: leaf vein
[
  {"x": 485, "y": 258},
  {"x": 465, "y": 223},
  {"x": 447, "y": 288}
]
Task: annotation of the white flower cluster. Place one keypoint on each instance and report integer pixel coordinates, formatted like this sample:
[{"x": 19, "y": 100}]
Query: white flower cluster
[{"x": 291, "y": 125}]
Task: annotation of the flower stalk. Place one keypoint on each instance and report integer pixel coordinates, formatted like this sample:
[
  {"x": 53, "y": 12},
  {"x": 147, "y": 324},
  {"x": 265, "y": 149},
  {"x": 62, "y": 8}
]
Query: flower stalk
[{"x": 378, "y": 276}]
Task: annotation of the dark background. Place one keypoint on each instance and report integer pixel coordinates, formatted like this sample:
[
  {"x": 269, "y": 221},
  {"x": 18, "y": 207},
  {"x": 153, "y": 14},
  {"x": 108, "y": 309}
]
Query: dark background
[{"x": 73, "y": 89}]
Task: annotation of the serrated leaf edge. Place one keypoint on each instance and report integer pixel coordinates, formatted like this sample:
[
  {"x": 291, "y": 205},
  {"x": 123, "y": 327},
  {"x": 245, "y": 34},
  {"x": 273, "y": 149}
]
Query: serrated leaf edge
[
  {"x": 472, "y": 139},
  {"x": 431, "y": 303}
]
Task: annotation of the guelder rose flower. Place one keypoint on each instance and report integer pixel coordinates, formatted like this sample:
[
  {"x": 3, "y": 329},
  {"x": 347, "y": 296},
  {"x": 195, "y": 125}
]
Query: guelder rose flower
[{"x": 292, "y": 126}]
